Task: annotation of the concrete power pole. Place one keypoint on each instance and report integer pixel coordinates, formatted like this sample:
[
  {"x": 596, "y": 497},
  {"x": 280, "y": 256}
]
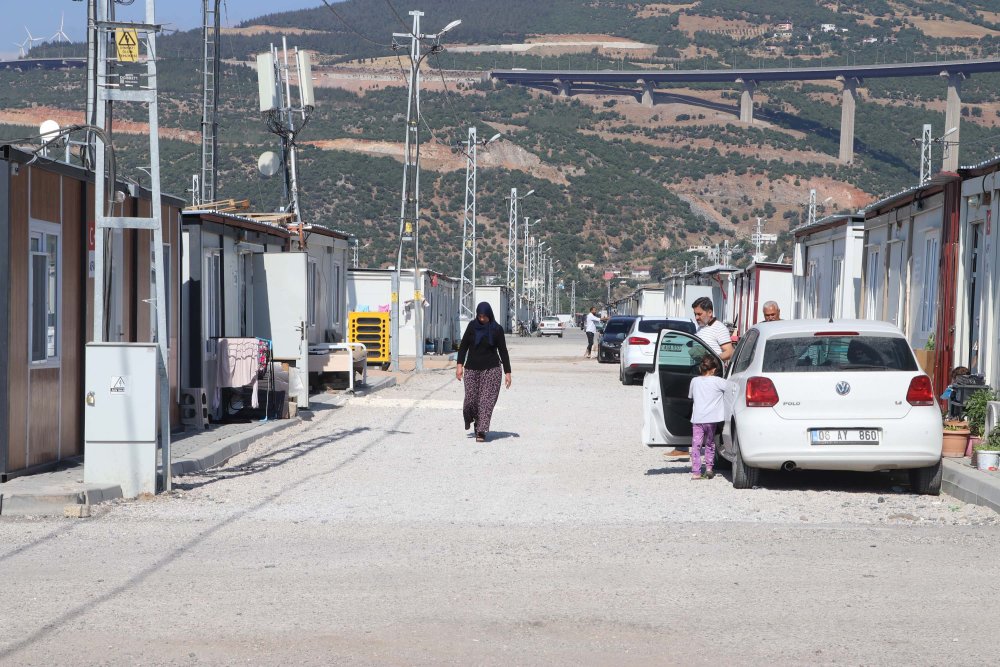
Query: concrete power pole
[
  {"x": 409, "y": 206},
  {"x": 572, "y": 299},
  {"x": 812, "y": 206}
]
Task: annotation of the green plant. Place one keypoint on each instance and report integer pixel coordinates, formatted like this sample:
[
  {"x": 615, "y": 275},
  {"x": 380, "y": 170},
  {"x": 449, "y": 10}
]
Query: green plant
[
  {"x": 952, "y": 425},
  {"x": 929, "y": 345},
  {"x": 975, "y": 410},
  {"x": 991, "y": 443}
]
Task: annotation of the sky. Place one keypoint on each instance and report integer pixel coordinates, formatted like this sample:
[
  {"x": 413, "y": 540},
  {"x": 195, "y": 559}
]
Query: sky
[{"x": 42, "y": 17}]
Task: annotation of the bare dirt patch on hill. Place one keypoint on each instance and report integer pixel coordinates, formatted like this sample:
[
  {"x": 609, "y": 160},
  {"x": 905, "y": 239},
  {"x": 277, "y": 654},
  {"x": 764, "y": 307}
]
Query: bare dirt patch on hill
[
  {"x": 442, "y": 159},
  {"x": 33, "y": 116},
  {"x": 253, "y": 30},
  {"x": 951, "y": 29},
  {"x": 661, "y": 9}
]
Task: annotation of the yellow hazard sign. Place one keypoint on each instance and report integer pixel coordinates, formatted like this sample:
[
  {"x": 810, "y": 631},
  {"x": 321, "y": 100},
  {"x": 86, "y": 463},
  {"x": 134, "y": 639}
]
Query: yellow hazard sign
[{"x": 127, "y": 42}]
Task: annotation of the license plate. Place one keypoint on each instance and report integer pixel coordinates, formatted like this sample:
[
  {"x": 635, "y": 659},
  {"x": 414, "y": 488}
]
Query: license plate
[
  {"x": 845, "y": 436},
  {"x": 671, "y": 347}
]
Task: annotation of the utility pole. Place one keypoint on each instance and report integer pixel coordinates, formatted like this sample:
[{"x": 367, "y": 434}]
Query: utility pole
[
  {"x": 211, "y": 64},
  {"x": 467, "y": 306},
  {"x": 572, "y": 299},
  {"x": 409, "y": 207},
  {"x": 467, "y": 299},
  {"x": 926, "y": 142},
  {"x": 757, "y": 239},
  {"x": 135, "y": 49},
  {"x": 812, "y": 206},
  {"x": 512, "y": 252}
]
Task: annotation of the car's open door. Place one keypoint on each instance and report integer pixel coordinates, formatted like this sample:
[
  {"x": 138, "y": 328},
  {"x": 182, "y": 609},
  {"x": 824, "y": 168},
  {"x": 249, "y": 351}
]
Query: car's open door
[{"x": 666, "y": 406}]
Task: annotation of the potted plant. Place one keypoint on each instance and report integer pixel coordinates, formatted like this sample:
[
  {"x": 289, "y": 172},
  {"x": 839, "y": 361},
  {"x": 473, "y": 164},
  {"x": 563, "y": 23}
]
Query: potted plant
[
  {"x": 954, "y": 438},
  {"x": 976, "y": 407},
  {"x": 988, "y": 452}
]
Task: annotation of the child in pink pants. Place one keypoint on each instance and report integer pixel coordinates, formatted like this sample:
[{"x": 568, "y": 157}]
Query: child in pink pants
[{"x": 707, "y": 391}]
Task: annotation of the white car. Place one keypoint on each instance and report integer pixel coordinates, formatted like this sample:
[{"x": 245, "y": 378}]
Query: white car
[
  {"x": 551, "y": 326},
  {"x": 807, "y": 394},
  {"x": 636, "y": 354}
]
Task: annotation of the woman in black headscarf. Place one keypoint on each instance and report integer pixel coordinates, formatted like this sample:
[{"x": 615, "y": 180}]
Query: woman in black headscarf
[{"x": 482, "y": 352}]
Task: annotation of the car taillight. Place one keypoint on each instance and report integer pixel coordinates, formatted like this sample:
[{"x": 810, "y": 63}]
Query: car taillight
[
  {"x": 920, "y": 392},
  {"x": 638, "y": 340},
  {"x": 761, "y": 393}
]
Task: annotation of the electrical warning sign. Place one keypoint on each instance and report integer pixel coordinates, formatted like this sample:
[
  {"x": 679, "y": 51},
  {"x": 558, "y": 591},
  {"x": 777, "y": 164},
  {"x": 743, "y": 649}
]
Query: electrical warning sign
[
  {"x": 127, "y": 42},
  {"x": 119, "y": 385}
]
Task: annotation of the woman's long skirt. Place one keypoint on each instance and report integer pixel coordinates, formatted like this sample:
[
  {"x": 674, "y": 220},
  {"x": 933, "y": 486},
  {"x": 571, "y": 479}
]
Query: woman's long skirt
[{"x": 482, "y": 388}]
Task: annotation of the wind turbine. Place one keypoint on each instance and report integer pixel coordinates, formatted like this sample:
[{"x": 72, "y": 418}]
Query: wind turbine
[
  {"x": 20, "y": 47},
  {"x": 61, "y": 36},
  {"x": 31, "y": 38}
]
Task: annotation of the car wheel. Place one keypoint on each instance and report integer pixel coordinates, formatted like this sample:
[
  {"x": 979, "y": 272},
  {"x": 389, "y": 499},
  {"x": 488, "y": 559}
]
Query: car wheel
[
  {"x": 560, "y": 335},
  {"x": 621, "y": 376},
  {"x": 926, "y": 481},
  {"x": 744, "y": 476}
]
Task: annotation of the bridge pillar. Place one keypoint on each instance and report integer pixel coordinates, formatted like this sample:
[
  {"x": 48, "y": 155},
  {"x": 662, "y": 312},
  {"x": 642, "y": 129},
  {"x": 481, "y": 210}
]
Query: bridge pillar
[
  {"x": 952, "y": 120},
  {"x": 648, "y": 90},
  {"x": 847, "y": 109},
  {"x": 565, "y": 89},
  {"x": 746, "y": 100}
]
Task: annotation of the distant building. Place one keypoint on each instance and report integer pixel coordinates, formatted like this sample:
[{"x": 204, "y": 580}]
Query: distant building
[
  {"x": 784, "y": 27},
  {"x": 827, "y": 27},
  {"x": 641, "y": 272},
  {"x": 585, "y": 264},
  {"x": 704, "y": 249},
  {"x": 870, "y": 40}
]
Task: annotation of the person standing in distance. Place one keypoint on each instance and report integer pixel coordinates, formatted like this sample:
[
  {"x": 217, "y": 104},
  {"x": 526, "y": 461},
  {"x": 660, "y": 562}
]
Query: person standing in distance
[
  {"x": 590, "y": 326},
  {"x": 771, "y": 311},
  {"x": 715, "y": 335},
  {"x": 481, "y": 353}
]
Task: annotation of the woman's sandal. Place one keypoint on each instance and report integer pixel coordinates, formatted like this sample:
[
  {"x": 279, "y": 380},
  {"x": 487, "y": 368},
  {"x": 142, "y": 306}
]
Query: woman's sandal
[{"x": 480, "y": 437}]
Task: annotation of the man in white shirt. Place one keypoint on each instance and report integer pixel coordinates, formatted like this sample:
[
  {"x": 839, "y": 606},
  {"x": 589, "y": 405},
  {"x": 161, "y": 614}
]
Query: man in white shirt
[
  {"x": 590, "y": 326},
  {"x": 715, "y": 335}
]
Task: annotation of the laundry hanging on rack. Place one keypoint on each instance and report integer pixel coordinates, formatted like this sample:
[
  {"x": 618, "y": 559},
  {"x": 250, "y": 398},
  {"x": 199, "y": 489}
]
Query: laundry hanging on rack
[{"x": 238, "y": 365}]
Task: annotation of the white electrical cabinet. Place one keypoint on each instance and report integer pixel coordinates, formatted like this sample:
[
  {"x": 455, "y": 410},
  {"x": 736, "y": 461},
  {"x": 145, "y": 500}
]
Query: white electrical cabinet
[{"x": 120, "y": 411}]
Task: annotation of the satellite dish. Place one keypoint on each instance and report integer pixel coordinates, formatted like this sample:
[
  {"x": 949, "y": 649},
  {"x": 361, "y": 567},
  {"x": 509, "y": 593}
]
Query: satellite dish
[
  {"x": 48, "y": 130},
  {"x": 268, "y": 164}
]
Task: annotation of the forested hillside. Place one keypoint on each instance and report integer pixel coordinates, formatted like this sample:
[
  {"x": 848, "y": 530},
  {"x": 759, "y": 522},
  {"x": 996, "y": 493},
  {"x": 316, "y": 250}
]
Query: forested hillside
[{"x": 617, "y": 183}]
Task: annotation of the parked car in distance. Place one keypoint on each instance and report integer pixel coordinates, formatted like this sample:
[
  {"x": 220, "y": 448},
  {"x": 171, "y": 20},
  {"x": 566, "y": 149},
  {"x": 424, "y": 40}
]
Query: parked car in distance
[
  {"x": 611, "y": 340},
  {"x": 565, "y": 318},
  {"x": 807, "y": 394},
  {"x": 636, "y": 354},
  {"x": 551, "y": 326}
]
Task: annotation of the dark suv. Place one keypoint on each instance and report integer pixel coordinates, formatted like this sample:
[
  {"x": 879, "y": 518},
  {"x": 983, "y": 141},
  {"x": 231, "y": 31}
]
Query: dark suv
[{"x": 611, "y": 340}]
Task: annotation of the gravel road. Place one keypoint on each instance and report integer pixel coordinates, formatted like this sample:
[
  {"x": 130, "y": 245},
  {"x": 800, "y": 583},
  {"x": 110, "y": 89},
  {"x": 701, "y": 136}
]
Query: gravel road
[{"x": 380, "y": 533}]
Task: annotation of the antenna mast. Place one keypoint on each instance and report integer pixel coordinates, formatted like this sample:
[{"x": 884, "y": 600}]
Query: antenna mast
[{"x": 211, "y": 65}]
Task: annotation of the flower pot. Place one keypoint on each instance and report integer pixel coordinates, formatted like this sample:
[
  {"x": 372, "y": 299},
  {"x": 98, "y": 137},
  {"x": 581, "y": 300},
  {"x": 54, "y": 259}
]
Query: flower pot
[
  {"x": 988, "y": 461},
  {"x": 953, "y": 443},
  {"x": 971, "y": 446}
]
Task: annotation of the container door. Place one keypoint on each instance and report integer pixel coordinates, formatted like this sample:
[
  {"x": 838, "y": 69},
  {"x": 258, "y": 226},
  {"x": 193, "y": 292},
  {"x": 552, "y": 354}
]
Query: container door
[{"x": 281, "y": 311}]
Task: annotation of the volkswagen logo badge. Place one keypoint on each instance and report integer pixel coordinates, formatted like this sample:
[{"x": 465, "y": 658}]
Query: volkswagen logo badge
[{"x": 843, "y": 388}]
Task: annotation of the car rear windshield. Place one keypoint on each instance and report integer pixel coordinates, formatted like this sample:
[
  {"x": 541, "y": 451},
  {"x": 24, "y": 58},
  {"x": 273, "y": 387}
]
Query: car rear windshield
[
  {"x": 837, "y": 353},
  {"x": 655, "y": 326},
  {"x": 616, "y": 329}
]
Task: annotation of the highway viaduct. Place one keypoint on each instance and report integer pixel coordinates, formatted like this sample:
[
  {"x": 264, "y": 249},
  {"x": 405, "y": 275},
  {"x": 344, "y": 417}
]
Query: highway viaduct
[{"x": 641, "y": 85}]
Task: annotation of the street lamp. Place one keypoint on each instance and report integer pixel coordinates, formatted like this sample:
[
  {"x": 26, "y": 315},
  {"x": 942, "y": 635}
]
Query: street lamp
[
  {"x": 409, "y": 208},
  {"x": 467, "y": 293},
  {"x": 539, "y": 259}
]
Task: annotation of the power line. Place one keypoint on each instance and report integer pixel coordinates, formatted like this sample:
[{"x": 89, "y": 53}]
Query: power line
[
  {"x": 400, "y": 19},
  {"x": 352, "y": 28}
]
